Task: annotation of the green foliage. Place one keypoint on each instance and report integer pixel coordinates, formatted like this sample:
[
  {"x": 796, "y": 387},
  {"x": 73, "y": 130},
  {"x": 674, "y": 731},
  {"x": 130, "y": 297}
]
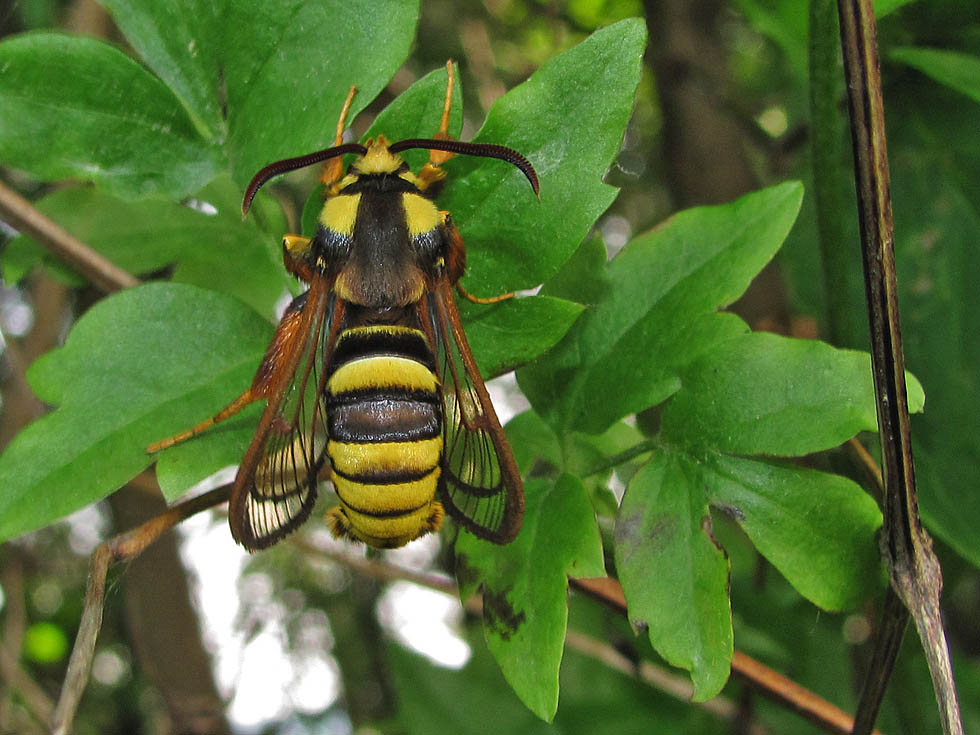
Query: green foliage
[
  {"x": 956, "y": 70},
  {"x": 102, "y": 117},
  {"x": 119, "y": 386},
  {"x": 659, "y": 311},
  {"x": 593, "y": 86},
  {"x": 151, "y": 234},
  {"x": 525, "y": 587},
  {"x": 724, "y": 411}
]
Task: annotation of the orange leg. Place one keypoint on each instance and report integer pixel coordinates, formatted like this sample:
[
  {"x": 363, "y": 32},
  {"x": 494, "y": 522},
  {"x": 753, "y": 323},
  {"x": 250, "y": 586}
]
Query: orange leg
[
  {"x": 230, "y": 410},
  {"x": 334, "y": 168},
  {"x": 265, "y": 377},
  {"x": 478, "y": 300},
  {"x": 456, "y": 264},
  {"x": 432, "y": 171}
]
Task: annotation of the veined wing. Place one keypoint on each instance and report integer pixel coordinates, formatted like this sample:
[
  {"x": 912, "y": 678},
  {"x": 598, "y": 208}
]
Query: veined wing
[
  {"x": 481, "y": 485},
  {"x": 276, "y": 485}
]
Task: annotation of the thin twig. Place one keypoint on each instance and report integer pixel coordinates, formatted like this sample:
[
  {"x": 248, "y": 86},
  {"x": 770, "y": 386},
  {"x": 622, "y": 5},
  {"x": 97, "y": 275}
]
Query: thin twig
[
  {"x": 869, "y": 466},
  {"x": 657, "y": 677},
  {"x": 26, "y": 218},
  {"x": 123, "y": 547},
  {"x": 914, "y": 569},
  {"x": 33, "y": 697}
]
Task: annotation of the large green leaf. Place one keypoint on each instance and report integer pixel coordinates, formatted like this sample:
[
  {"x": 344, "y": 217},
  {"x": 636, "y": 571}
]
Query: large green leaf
[
  {"x": 766, "y": 394},
  {"x": 119, "y": 385},
  {"x": 659, "y": 313},
  {"x": 289, "y": 66},
  {"x": 75, "y": 107},
  {"x": 516, "y": 331},
  {"x": 593, "y": 86},
  {"x": 673, "y": 572},
  {"x": 179, "y": 41},
  {"x": 524, "y": 585},
  {"x": 816, "y": 528},
  {"x": 72, "y": 107}
]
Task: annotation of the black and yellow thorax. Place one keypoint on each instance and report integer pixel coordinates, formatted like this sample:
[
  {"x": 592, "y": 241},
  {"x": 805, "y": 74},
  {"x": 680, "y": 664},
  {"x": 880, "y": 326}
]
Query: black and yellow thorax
[{"x": 382, "y": 238}]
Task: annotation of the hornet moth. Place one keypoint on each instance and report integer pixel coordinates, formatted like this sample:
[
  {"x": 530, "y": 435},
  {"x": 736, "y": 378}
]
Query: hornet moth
[{"x": 369, "y": 380}]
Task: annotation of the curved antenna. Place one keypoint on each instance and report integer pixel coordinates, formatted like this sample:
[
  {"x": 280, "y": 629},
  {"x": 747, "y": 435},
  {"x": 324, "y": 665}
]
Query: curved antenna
[
  {"x": 291, "y": 164},
  {"x": 485, "y": 150}
]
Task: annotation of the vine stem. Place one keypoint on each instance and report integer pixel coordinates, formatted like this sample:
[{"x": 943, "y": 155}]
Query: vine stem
[{"x": 914, "y": 570}]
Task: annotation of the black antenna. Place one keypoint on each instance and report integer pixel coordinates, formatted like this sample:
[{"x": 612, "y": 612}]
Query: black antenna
[
  {"x": 485, "y": 150},
  {"x": 291, "y": 164}
]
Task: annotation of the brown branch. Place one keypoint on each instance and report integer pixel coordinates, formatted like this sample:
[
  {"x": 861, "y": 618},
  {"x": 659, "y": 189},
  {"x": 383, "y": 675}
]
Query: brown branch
[
  {"x": 774, "y": 685},
  {"x": 915, "y": 573},
  {"x": 24, "y": 217},
  {"x": 123, "y": 547}
]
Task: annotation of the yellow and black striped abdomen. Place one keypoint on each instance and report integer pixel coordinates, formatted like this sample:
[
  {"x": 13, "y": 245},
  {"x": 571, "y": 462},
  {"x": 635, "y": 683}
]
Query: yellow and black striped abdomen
[{"x": 384, "y": 415}]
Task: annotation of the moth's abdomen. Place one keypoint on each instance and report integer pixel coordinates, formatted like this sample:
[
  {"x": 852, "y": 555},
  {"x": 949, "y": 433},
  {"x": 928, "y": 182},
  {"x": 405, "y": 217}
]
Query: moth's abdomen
[{"x": 384, "y": 416}]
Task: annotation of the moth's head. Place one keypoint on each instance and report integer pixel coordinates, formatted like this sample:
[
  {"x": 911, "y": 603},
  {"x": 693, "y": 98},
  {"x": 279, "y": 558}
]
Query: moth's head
[{"x": 378, "y": 159}]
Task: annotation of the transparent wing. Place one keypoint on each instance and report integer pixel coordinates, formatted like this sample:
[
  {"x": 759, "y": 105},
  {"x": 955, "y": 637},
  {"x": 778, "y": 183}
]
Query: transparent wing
[
  {"x": 276, "y": 485},
  {"x": 481, "y": 486}
]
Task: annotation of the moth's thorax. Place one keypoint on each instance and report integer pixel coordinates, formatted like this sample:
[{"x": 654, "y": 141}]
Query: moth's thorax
[{"x": 380, "y": 235}]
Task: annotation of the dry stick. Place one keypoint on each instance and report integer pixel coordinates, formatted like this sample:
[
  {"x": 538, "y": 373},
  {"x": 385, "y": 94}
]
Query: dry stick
[
  {"x": 25, "y": 218},
  {"x": 123, "y": 547},
  {"x": 774, "y": 685},
  {"x": 915, "y": 573}
]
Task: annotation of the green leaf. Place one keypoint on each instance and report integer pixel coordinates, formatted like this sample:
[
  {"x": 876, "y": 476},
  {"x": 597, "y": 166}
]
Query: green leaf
[
  {"x": 673, "y": 573},
  {"x": 766, "y": 394},
  {"x": 956, "y": 70},
  {"x": 289, "y": 66},
  {"x": 210, "y": 244},
  {"x": 525, "y": 585},
  {"x": 72, "y": 107},
  {"x": 582, "y": 278},
  {"x": 626, "y": 353},
  {"x": 816, "y": 528},
  {"x": 515, "y": 331},
  {"x": 176, "y": 39},
  {"x": 113, "y": 401},
  {"x": 593, "y": 85}
]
